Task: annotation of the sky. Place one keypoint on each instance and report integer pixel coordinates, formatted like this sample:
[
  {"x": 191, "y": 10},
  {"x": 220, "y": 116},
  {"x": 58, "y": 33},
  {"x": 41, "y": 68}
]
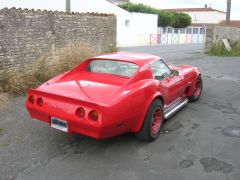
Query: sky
[
  {"x": 161, "y": 4},
  {"x": 216, "y": 4}
]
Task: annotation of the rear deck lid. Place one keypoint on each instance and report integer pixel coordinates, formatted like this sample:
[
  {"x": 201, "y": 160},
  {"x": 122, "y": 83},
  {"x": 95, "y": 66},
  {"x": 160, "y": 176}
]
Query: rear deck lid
[{"x": 91, "y": 87}]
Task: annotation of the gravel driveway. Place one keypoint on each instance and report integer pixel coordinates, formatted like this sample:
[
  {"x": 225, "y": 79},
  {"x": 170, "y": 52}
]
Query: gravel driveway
[{"x": 200, "y": 142}]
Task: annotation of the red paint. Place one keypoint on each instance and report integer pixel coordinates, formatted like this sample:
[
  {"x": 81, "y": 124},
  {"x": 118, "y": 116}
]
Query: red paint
[{"x": 112, "y": 104}]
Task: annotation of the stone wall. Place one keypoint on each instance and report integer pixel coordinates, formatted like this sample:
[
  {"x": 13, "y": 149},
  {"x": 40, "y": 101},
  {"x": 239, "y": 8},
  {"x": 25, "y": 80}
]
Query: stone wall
[
  {"x": 26, "y": 34},
  {"x": 215, "y": 33},
  {"x": 209, "y": 37},
  {"x": 230, "y": 33}
]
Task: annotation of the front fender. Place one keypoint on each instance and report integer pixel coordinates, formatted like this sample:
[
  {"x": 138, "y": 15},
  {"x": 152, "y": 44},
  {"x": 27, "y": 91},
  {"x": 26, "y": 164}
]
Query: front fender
[{"x": 194, "y": 78}]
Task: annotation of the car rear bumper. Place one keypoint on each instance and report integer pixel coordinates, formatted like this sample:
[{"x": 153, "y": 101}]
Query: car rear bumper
[{"x": 84, "y": 126}]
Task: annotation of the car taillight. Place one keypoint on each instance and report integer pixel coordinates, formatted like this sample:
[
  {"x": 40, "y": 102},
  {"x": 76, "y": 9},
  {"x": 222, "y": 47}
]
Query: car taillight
[
  {"x": 40, "y": 101},
  {"x": 80, "y": 112},
  {"x": 31, "y": 99},
  {"x": 93, "y": 115}
]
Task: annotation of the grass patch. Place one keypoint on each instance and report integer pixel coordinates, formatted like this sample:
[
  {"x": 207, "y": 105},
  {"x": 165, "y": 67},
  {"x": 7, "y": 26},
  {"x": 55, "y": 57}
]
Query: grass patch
[
  {"x": 53, "y": 62},
  {"x": 111, "y": 48},
  {"x": 217, "y": 49}
]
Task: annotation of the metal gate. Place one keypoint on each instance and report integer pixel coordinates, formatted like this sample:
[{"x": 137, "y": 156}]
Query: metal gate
[{"x": 169, "y": 35}]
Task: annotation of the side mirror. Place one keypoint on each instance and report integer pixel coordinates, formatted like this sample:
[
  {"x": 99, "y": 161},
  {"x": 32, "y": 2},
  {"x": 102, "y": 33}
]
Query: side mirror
[{"x": 175, "y": 72}]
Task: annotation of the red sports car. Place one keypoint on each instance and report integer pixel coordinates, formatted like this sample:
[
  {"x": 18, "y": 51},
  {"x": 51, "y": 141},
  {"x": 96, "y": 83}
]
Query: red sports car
[{"x": 113, "y": 94}]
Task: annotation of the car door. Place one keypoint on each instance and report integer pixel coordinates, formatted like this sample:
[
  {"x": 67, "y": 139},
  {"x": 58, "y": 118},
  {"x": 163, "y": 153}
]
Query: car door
[{"x": 171, "y": 86}]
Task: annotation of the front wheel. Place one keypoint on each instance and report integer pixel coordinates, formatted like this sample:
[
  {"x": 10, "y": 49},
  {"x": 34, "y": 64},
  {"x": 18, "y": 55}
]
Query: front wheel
[
  {"x": 197, "y": 90},
  {"x": 152, "y": 123}
]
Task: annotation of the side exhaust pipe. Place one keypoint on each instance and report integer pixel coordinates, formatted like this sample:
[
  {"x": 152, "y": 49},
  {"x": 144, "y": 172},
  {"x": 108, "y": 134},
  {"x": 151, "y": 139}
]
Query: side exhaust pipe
[{"x": 173, "y": 110}]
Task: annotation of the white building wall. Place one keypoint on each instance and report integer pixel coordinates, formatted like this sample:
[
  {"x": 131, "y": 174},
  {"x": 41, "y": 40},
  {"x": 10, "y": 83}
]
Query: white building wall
[
  {"x": 132, "y": 28},
  {"x": 207, "y": 17},
  {"x": 140, "y": 28}
]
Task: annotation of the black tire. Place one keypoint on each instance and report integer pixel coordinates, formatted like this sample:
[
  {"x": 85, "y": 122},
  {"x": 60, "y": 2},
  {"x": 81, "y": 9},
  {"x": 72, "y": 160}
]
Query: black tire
[
  {"x": 146, "y": 131},
  {"x": 195, "y": 97}
]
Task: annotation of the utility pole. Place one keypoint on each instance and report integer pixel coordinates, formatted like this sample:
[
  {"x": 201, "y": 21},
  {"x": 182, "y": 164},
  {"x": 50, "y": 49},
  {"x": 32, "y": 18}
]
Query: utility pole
[
  {"x": 68, "y": 6},
  {"x": 228, "y": 16}
]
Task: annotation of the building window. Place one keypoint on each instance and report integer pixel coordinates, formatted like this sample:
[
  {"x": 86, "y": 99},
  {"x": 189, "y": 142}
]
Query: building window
[
  {"x": 189, "y": 30},
  {"x": 169, "y": 30},
  {"x": 202, "y": 31},
  {"x": 195, "y": 30},
  {"x": 195, "y": 17},
  {"x": 182, "y": 30},
  {"x": 176, "y": 30},
  {"x": 127, "y": 23}
]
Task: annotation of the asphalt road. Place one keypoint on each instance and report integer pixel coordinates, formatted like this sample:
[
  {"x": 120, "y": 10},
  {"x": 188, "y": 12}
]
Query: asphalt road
[{"x": 191, "y": 146}]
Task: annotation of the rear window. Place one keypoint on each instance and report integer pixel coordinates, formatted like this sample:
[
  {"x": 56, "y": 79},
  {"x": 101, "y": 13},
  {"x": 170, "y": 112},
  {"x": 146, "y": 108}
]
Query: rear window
[{"x": 119, "y": 68}]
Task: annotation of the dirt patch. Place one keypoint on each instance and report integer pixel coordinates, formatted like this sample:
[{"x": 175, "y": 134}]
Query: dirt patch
[
  {"x": 195, "y": 126},
  {"x": 186, "y": 163},
  {"x": 4, "y": 99},
  {"x": 171, "y": 126},
  {"x": 212, "y": 164},
  {"x": 188, "y": 134},
  {"x": 171, "y": 148}
]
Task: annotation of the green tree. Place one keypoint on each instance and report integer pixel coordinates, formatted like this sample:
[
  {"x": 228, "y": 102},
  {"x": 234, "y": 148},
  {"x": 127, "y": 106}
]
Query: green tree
[
  {"x": 131, "y": 7},
  {"x": 182, "y": 20},
  {"x": 165, "y": 18}
]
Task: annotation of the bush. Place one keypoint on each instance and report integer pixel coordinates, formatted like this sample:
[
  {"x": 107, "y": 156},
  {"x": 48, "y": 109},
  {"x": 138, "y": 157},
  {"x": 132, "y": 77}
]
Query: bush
[
  {"x": 48, "y": 65},
  {"x": 217, "y": 49},
  {"x": 177, "y": 20}
]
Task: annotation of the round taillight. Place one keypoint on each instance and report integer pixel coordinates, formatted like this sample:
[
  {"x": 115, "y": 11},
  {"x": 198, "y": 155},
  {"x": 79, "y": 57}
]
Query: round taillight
[
  {"x": 40, "y": 101},
  {"x": 93, "y": 115},
  {"x": 31, "y": 99},
  {"x": 80, "y": 112}
]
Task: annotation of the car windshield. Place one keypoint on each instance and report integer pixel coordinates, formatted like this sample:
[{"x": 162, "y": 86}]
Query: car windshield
[{"x": 119, "y": 68}]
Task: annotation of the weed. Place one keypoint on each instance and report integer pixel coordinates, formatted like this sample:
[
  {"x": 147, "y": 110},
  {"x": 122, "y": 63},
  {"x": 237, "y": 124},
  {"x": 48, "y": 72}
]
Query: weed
[{"x": 217, "y": 49}]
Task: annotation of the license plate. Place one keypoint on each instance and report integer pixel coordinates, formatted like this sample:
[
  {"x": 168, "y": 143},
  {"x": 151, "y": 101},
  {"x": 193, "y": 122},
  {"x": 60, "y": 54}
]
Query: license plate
[{"x": 59, "y": 124}]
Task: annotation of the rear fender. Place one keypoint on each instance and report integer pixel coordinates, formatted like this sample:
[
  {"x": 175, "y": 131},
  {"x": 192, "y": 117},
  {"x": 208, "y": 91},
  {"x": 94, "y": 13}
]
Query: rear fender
[{"x": 157, "y": 95}]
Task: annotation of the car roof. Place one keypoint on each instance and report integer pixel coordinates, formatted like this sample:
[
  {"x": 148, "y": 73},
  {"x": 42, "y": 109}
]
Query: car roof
[{"x": 137, "y": 58}]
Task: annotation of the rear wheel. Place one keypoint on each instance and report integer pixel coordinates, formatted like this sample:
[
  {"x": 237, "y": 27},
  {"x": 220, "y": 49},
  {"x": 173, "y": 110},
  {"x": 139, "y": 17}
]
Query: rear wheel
[
  {"x": 197, "y": 90},
  {"x": 152, "y": 123}
]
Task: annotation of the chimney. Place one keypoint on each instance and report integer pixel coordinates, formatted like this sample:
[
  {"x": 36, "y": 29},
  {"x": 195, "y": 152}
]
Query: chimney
[
  {"x": 228, "y": 16},
  {"x": 68, "y": 6},
  {"x": 205, "y": 6}
]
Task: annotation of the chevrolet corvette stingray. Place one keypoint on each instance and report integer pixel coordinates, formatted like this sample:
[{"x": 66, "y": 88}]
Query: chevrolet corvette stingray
[{"x": 116, "y": 93}]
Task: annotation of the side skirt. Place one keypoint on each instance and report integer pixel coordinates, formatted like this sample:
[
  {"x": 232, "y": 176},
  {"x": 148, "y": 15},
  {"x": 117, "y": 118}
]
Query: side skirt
[{"x": 174, "y": 108}]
